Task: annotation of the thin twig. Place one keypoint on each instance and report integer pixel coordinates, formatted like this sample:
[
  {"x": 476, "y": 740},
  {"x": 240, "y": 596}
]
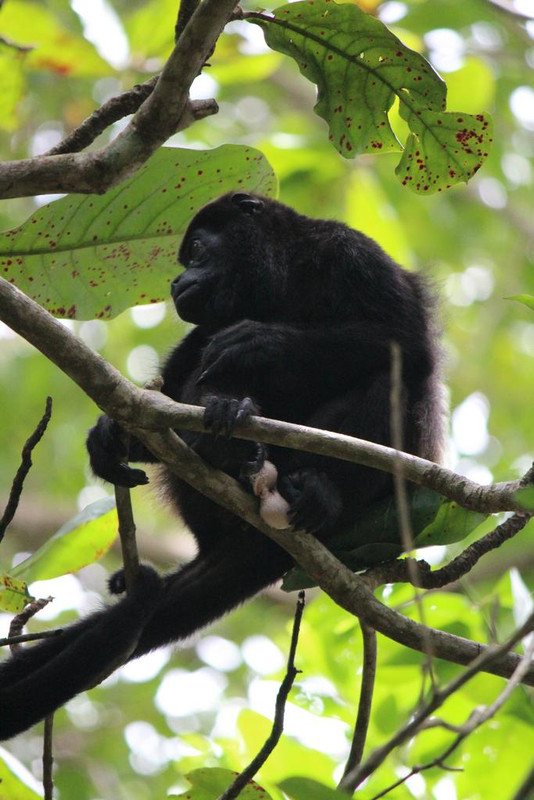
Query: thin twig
[
  {"x": 29, "y": 637},
  {"x": 397, "y": 439},
  {"x": 25, "y": 466},
  {"x": 111, "y": 111},
  {"x": 364, "y": 706},
  {"x": 477, "y": 718},
  {"x": 48, "y": 758},
  {"x": 259, "y": 760},
  {"x": 14, "y": 641},
  {"x": 439, "y": 697},
  {"x": 127, "y": 529},
  {"x": 130, "y": 555},
  {"x": 18, "y": 622},
  {"x": 400, "y": 571},
  {"x": 402, "y": 500},
  {"x": 467, "y": 559}
]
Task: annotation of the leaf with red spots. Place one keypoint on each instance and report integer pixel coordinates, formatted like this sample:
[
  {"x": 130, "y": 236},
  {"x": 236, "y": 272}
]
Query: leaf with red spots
[
  {"x": 360, "y": 68},
  {"x": 444, "y": 148},
  {"x": 85, "y": 257},
  {"x": 210, "y": 783}
]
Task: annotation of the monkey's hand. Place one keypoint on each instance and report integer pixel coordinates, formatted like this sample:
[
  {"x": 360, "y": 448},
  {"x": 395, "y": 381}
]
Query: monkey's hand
[
  {"x": 242, "y": 355},
  {"x": 108, "y": 455},
  {"x": 146, "y": 591},
  {"x": 314, "y": 501},
  {"x": 222, "y": 414}
]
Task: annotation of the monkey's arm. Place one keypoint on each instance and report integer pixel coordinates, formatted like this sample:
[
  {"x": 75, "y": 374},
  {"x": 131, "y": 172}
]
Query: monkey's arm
[
  {"x": 319, "y": 359},
  {"x": 105, "y": 441}
]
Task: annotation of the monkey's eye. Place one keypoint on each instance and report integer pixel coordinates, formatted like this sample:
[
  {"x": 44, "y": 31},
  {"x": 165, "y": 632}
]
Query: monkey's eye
[{"x": 197, "y": 249}]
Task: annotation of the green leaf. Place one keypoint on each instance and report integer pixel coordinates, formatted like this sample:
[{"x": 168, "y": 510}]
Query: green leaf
[
  {"x": 82, "y": 540},
  {"x": 526, "y": 299},
  {"x": 308, "y": 789},
  {"x": 443, "y": 149},
  {"x": 208, "y": 784},
  {"x": 452, "y": 523},
  {"x": 83, "y": 257},
  {"x": 375, "y": 536},
  {"x": 15, "y": 780},
  {"x": 14, "y": 595},
  {"x": 360, "y": 67}
]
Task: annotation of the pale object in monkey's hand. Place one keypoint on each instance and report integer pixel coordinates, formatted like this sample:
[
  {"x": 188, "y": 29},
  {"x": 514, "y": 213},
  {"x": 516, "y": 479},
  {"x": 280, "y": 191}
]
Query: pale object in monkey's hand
[{"x": 273, "y": 507}]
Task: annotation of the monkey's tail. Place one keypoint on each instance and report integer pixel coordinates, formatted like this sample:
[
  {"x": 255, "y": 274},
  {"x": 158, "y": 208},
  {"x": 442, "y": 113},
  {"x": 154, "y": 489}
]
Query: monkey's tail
[{"x": 39, "y": 679}]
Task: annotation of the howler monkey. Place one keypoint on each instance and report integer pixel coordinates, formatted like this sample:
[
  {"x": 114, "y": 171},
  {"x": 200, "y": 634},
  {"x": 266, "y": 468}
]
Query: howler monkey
[{"x": 293, "y": 318}]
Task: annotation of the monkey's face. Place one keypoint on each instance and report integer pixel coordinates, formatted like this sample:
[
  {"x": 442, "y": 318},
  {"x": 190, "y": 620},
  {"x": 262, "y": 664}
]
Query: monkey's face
[
  {"x": 223, "y": 251},
  {"x": 193, "y": 291}
]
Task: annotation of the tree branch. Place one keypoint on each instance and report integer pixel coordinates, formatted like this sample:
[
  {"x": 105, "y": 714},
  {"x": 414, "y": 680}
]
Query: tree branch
[
  {"x": 136, "y": 408},
  {"x": 166, "y": 110},
  {"x": 479, "y": 664},
  {"x": 402, "y": 572},
  {"x": 185, "y": 12},
  {"x": 121, "y": 106},
  {"x": 235, "y": 789},
  {"x": 29, "y": 637},
  {"x": 348, "y": 590},
  {"x": 25, "y": 466},
  {"x": 364, "y": 706},
  {"x": 155, "y": 415}
]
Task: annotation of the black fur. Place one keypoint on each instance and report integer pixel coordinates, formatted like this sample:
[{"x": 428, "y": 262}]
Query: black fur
[{"x": 294, "y": 318}]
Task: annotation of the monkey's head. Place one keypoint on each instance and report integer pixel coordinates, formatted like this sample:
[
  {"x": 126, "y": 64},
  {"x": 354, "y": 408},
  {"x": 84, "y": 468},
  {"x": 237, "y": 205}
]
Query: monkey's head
[
  {"x": 250, "y": 257},
  {"x": 229, "y": 255}
]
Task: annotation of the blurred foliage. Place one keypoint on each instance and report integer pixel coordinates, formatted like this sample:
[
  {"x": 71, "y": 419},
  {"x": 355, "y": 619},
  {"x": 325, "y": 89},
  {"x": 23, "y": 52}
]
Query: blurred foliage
[{"x": 138, "y": 735}]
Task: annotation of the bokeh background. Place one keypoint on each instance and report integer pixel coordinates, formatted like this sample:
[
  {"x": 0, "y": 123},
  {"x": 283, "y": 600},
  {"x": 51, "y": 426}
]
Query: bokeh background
[{"x": 209, "y": 703}]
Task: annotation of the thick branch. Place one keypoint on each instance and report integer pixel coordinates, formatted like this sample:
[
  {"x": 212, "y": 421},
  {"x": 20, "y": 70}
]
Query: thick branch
[
  {"x": 346, "y": 589},
  {"x": 165, "y": 110}
]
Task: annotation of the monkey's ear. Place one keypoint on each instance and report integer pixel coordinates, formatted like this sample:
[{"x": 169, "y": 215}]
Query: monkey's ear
[{"x": 248, "y": 204}]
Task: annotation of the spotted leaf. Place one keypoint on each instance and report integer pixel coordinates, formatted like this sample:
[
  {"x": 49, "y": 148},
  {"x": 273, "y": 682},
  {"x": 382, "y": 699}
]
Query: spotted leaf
[
  {"x": 84, "y": 257},
  {"x": 360, "y": 69}
]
